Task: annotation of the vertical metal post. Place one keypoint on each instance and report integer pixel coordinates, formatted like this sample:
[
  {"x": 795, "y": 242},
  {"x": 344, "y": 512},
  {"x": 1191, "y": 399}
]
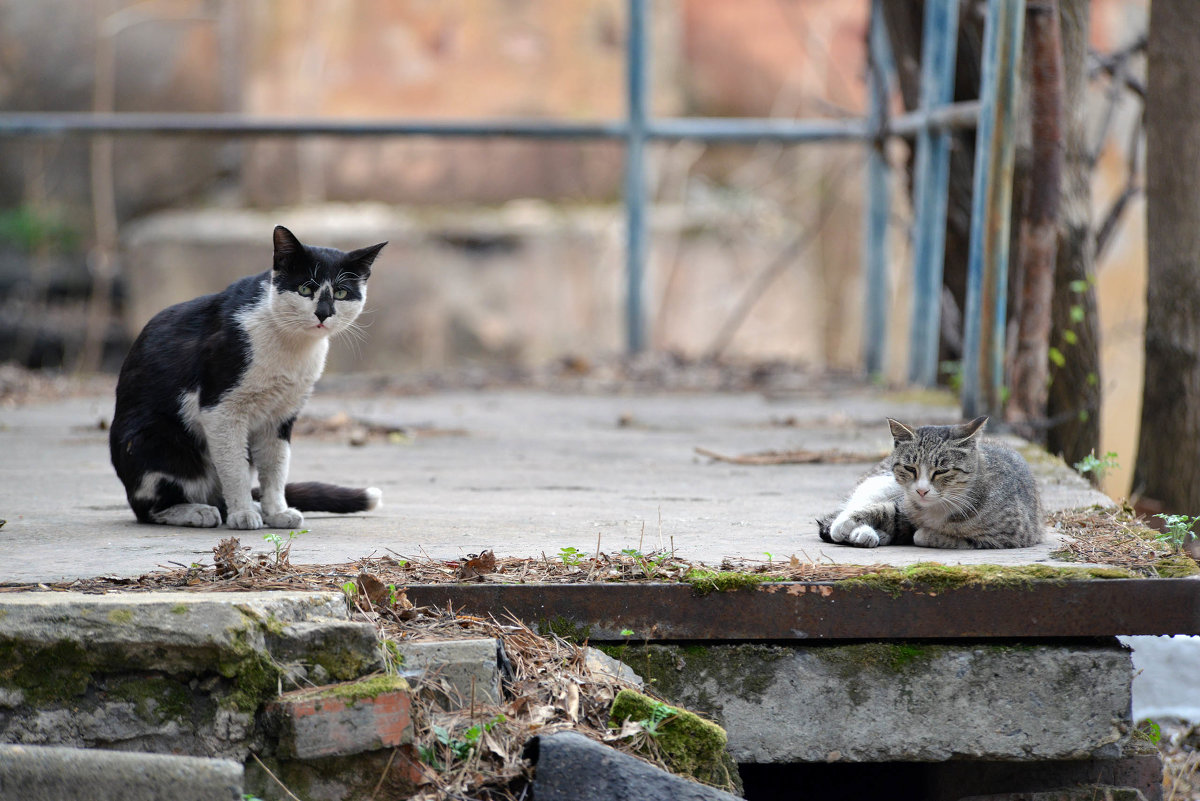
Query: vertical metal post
[
  {"x": 932, "y": 173},
  {"x": 987, "y": 264},
  {"x": 635, "y": 178},
  {"x": 878, "y": 195}
]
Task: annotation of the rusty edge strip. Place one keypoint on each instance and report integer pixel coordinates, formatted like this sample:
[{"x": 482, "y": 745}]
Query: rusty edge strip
[{"x": 824, "y": 611}]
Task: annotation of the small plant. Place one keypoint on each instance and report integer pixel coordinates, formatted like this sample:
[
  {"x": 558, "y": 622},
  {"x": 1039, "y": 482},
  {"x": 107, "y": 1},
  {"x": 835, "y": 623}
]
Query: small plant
[
  {"x": 351, "y": 591},
  {"x": 1179, "y": 530},
  {"x": 626, "y": 632},
  {"x": 660, "y": 713},
  {"x": 1149, "y": 731},
  {"x": 570, "y": 556},
  {"x": 770, "y": 557},
  {"x": 391, "y": 595},
  {"x": 1097, "y": 468},
  {"x": 282, "y": 550}
]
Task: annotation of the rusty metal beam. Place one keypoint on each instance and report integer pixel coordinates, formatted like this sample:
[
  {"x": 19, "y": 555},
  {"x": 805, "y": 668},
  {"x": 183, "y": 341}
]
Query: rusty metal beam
[{"x": 814, "y": 611}]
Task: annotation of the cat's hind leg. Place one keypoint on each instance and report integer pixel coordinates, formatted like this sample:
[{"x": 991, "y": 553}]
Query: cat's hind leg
[
  {"x": 196, "y": 515},
  {"x": 931, "y": 539}
]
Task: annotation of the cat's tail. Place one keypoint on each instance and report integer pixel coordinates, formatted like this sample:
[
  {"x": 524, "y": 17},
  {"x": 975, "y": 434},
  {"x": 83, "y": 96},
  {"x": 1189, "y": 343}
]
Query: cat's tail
[{"x": 315, "y": 496}]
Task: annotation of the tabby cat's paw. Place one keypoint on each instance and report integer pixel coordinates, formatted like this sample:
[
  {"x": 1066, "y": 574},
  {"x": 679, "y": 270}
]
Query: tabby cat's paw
[
  {"x": 288, "y": 518},
  {"x": 247, "y": 519},
  {"x": 864, "y": 537}
]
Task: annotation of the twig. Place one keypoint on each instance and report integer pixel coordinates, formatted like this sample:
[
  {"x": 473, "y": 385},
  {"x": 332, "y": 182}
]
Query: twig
[
  {"x": 273, "y": 776},
  {"x": 383, "y": 776}
]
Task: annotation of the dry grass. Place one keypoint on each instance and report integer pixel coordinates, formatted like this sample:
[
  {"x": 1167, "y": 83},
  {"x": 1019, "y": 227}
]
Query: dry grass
[{"x": 1109, "y": 536}]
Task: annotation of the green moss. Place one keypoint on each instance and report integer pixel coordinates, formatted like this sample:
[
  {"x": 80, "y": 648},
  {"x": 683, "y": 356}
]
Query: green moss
[
  {"x": 1038, "y": 456},
  {"x": 566, "y": 629},
  {"x": 255, "y": 676},
  {"x": 936, "y": 577},
  {"x": 120, "y": 616},
  {"x": 156, "y": 699},
  {"x": 179, "y": 609},
  {"x": 1178, "y": 565},
  {"x": 689, "y": 744},
  {"x": 353, "y": 691},
  {"x": 893, "y": 659},
  {"x": 705, "y": 581},
  {"x": 45, "y": 674},
  {"x": 739, "y": 670}
]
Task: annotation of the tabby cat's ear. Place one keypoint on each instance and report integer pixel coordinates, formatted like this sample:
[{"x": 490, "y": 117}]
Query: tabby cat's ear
[
  {"x": 287, "y": 246},
  {"x": 967, "y": 431},
  {"x": 362, "y": 259},
  {"x": 901, "y": 432}
]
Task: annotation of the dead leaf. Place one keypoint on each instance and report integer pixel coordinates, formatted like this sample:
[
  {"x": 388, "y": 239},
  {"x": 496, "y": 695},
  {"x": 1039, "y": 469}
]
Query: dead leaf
[
  {"x": 375, "y": 590},
  {"x": 476, "y": 566},
  {"x": 571, "y": 706}
]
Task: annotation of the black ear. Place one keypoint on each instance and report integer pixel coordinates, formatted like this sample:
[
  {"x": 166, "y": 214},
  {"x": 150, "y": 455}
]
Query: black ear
[
  {"x": 363, "y": 258},
  {"x": 287, "y": 246},
  {"x": 966, "y": 431},
  {"x": 901, "y": 432}
]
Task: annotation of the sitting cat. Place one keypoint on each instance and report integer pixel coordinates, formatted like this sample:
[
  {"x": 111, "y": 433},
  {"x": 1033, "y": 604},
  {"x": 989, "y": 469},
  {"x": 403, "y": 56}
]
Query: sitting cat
[
  {"x": 211, "y": 387},
  {"x": 945, "y": 489}
]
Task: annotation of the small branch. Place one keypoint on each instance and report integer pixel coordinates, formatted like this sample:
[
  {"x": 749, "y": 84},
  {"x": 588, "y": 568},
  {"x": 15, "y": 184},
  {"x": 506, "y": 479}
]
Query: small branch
[{"x": 290, "y": 794}]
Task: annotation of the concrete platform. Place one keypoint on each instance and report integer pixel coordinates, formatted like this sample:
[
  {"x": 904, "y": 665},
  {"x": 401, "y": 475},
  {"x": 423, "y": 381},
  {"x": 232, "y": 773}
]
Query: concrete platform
[{"x": 521, "y": 472}]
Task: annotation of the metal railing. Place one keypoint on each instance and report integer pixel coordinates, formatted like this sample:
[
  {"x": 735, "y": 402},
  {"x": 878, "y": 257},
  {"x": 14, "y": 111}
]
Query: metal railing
[{"x": 930, "y": 124}]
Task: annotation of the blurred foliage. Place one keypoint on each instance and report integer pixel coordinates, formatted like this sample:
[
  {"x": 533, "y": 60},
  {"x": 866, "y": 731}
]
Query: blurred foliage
[{"x": 30, "y": 228}]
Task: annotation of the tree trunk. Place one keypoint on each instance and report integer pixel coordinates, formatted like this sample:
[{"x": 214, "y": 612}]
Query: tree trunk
[
  {"x": 1039, "y": 226},
  {"x": 1074, "y": 398},
  {"x": 1168, "y": 460}
]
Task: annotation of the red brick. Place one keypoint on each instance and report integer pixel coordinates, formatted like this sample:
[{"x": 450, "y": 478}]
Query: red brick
[{"x": 343, "y": 719}]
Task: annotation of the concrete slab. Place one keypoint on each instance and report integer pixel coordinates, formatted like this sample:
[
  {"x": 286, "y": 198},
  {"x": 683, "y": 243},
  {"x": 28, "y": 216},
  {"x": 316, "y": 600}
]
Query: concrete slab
[
  {"x": 532, "y": 472},
  {"x": 44, "y": 773}
]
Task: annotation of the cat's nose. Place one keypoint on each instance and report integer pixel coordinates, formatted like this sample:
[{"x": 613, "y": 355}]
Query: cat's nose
[
  {"x": 922, "y": 492},
  {"x": 324, "y": 310}
]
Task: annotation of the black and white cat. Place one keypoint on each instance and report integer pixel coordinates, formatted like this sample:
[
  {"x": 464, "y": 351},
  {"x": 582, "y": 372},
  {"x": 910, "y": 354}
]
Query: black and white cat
[{"x": 211, "y": 388}]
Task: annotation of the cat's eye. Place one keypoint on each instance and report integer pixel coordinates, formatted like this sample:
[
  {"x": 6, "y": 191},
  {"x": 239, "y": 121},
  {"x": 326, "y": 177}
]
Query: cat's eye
[
  {"x": 939, "y": 473},
  {"x": 305, "y": 290},
  {"x": 904, "y": 469},
  {"x": 340, "y": 294}
]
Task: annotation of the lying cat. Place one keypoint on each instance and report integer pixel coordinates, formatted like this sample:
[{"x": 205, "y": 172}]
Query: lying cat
[
  {"x": 944, "y": 489},
  {"x": 211, "y": 387}
]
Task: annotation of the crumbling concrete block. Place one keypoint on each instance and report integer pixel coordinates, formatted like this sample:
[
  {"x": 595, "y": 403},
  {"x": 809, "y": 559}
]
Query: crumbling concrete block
[
  {"x": 342, "y": 719},
  {"x": 903, "y": 702},
  {"x": 163, "y": 672},
  {"x": 469, "y": 668},
  {"x": 44, "y": 773}
]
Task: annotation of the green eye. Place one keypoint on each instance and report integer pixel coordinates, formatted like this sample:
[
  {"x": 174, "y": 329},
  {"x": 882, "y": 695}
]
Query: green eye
[
  {"x": 305, "y": 290},
  {"x": 340, "y": 294}
]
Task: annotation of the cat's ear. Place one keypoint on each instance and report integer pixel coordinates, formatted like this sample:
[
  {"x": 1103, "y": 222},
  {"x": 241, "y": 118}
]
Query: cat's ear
[
  {"x": 362, "y": 259},
  {"x": 969, "y": 430},
  {"x": 287, "y": 247},
  {"x": 901, "y": 432}
]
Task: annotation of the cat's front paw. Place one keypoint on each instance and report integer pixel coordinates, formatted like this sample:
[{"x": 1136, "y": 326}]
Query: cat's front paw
[
  {"x": 288, "y": 518},
  {"x": 864, "y": 537},
  {"x": 247, "y": 519}
]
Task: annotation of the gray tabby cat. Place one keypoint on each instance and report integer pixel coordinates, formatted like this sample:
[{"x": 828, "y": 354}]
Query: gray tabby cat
[{"x": 945, "y": 489}]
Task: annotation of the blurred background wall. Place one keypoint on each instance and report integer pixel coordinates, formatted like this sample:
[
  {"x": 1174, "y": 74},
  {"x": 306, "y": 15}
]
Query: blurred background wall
[{"x": 502, "y": 251}]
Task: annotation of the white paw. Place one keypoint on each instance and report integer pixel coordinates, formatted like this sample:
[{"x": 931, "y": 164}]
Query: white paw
[
  {"x": 921, "y": 538},
  {"x": 246, "y": 519},
  {"x": 841, "y": 528},
  {"x": 206, "y": 516},
  {"x": 288, "y": 518},
  {"x": 864, "y": 537}
]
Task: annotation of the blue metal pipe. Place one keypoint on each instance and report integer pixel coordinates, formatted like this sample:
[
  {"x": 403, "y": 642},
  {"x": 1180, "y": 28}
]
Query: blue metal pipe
[
  {"x": 991, "y": 203},
  {"x": 635, "y": 178},
  {"x": 878, "y": 196},
  {"x": 932, "y": 173}
]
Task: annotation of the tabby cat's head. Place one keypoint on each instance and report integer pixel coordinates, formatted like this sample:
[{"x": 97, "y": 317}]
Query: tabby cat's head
[
  {"x": 936, "y": 465},
  {"x": 319, "y": 291}
]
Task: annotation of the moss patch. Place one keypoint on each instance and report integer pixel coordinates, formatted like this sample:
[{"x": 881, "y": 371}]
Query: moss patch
[
  {"x": 705, "y": 581},
  {"x": 179, "y": 609},
  {"x": 1178, "y": 565},
  {"x": 353, "y": 691},
  {"x": 156, "y": 699},
  {"x": 120, "y": 616},
  {"x": 45, "y": 674},
  {"x": 936, "y": 577},
  {"x": 689, "y": 744},
  {"x": 255, "y": 676},
  {"x": 741, "y": 670}
]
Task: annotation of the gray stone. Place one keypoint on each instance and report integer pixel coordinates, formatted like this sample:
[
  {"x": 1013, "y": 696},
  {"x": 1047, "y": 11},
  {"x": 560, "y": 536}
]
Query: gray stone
[
  {"x": 571, "y": 767},
  {"x": 469, "y": 669},
  {"x": 603, "y": 664},
  {"x": 39, "y": 773},
  {"x": 901, "y": 702},
  {"x": 164, "y": 672}
]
